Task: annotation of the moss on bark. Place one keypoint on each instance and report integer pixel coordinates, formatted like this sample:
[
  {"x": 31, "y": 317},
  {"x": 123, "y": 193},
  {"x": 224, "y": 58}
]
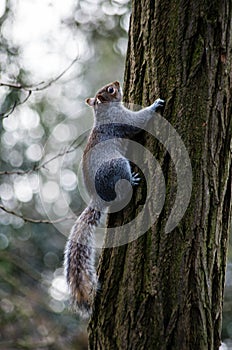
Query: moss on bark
[{"x": 165, "y": 291}]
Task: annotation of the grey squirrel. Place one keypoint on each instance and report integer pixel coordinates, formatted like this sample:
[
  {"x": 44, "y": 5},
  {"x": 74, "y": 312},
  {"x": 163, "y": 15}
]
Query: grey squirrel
[{"x": 103, "y": 167}]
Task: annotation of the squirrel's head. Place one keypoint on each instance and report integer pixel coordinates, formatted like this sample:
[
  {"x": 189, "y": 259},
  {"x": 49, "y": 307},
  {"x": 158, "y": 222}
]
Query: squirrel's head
[{"x": 109, "y": 93}]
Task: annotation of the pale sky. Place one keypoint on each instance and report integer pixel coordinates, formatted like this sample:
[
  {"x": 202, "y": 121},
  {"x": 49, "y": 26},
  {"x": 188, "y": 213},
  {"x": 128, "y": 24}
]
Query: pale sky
[{"x": 47, "y": 46}]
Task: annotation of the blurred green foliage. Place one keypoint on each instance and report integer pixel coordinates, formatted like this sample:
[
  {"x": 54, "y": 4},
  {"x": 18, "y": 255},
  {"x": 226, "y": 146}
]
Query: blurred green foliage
[{"x": 34, "y": 308}]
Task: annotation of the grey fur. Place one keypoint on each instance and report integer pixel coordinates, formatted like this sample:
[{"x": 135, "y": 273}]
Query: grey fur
[{"x": 103, "y": 167}]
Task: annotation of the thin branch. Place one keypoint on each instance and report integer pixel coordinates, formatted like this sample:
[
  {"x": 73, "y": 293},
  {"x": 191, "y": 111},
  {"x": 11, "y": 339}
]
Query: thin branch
[
  {"x": 6, "y": 114},
  {"x": 35, "y": 168},
  {"x": 16, "y": 172},
  {"x": 34, "y": 221},
  {"x": 29, "y": 89},
  {"x": 60, "y": 154},
  {"x": 46, "y": 85}
]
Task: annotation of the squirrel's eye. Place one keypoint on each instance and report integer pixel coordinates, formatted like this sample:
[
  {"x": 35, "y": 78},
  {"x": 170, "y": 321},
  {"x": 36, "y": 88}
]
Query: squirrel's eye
[{"x": 110, "y": 90}]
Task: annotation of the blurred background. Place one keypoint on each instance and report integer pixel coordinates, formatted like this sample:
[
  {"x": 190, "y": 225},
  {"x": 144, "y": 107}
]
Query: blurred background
[{"x": 62, "y": 52}]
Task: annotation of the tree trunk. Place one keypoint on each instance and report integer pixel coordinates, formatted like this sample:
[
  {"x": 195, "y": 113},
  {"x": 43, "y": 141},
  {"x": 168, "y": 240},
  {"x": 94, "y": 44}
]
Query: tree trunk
[{"x": 165, "y": 289}]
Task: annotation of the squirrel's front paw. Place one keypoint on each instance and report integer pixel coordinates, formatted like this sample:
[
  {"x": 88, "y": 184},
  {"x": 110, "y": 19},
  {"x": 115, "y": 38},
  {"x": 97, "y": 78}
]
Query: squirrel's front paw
[
  {"x": 135, "y": 179},
  {"x": 158, "y": 106}
]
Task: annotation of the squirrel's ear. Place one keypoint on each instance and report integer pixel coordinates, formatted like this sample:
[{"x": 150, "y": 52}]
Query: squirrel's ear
[
  {"x": 117, "y": 83},
  {"x": 90, "y": 101}
]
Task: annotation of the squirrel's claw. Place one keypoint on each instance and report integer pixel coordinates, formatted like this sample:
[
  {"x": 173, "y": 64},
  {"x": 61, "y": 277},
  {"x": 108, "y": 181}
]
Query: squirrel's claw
[
  {"x": 158, "y": 106},
  {"x": 135, "y": 179}
]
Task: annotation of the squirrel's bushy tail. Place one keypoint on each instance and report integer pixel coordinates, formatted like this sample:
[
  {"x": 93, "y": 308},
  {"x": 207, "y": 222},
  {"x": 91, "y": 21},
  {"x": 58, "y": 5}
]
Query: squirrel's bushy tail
[{"x": 79, "y": 261}]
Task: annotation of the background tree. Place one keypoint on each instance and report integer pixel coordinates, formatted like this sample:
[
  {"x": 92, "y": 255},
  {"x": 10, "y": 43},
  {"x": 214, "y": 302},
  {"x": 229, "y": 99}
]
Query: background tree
[{"x": 165, "y": 290}]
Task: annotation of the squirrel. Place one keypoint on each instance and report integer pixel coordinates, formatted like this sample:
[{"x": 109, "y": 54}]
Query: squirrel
[{"x": 114, "y": 122}]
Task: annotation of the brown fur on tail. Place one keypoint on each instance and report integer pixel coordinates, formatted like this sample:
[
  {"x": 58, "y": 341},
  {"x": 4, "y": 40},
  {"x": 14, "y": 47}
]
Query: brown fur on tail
[{"x": 79, "y": 261}]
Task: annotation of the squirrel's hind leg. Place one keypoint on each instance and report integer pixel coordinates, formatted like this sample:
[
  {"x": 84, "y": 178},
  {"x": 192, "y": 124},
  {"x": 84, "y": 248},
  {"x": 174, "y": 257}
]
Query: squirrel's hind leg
[{"x": 107, "y": 176}]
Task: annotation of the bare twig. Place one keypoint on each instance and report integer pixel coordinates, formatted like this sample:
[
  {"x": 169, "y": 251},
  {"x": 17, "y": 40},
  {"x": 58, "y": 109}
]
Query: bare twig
[
  {"x": 35, "y": 168},
  {"x": 29, "y": 89},
  {"x": 46, "y": 85},
  {"x": 34, "y": 221},
  {"x": 60, "y": 154},
  {"x": 6, "y": 114},
  {"x": 17, "y": 172}
]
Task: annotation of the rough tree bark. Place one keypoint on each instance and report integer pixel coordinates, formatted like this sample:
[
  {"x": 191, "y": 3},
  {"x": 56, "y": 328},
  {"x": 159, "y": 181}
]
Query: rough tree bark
[{"x": 165, "y": 290}]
